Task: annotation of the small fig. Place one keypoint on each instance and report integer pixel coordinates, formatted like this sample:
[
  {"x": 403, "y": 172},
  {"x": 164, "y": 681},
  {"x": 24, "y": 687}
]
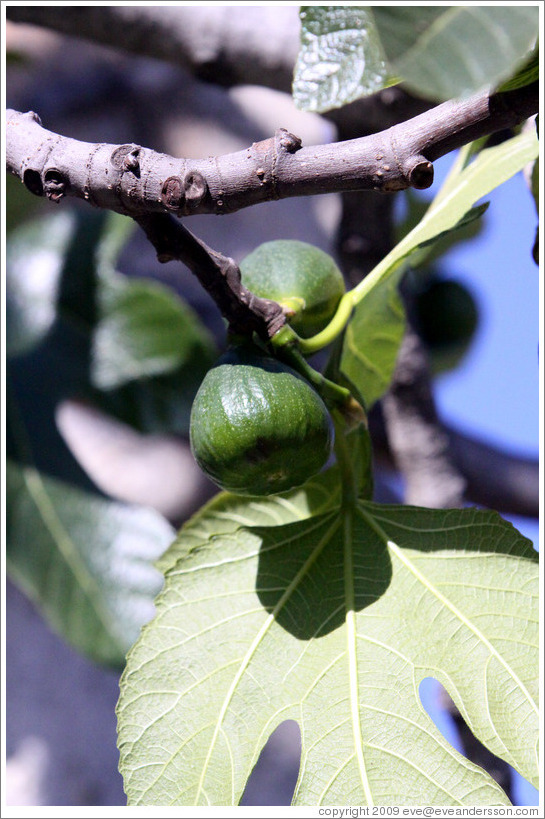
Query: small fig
[{"x": 303, "y": 279}]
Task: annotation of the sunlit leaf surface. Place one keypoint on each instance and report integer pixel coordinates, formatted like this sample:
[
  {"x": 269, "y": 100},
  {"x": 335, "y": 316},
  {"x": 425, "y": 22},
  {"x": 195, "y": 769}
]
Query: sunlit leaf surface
[{"x": 333, "y": 621}]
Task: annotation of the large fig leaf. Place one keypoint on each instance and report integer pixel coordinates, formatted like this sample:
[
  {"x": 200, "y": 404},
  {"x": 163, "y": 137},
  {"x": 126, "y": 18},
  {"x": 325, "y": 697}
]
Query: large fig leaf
[
  {"x": 374, "y": 333},
  {"x": 226, "y": 513},
  {"x": 86, "y": 561},
  {"x": 333, "y": 621}
]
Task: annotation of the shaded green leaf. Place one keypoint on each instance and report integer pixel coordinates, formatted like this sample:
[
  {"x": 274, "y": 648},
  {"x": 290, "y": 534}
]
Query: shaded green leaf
[
  {"x": 333, "y": 622},
  {"x": 145, "y": 330},
  {"x": 452, "y": 51},
  {"x": 372, "y": 340},
  {"x": 131, "y": 346},
  {"x": 340, "y": 60},
  {"x": 527, "y": 74},
  {"x": 87, "y": 562}
]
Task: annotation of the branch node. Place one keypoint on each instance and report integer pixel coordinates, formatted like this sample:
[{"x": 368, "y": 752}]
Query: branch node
[
  {"x": 33, "y": 182},
  {"x": 172, "y": 193},
  {"x": 419, "y": 173},
  {"x": 131, "y": 162},
  {"x": 287, "y": 141},
  {"x": 164, "y": 257},
  {"x": 33, "y": 116},
  {"x": 55, "y": 184},
  {"x": 194, "y": 188},
  {"x": 125, "y": 158}
]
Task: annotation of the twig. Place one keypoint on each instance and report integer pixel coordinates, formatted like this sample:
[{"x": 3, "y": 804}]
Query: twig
[
  {"x": 218, "y": 274},
  {"x": 133, "y": 180}
]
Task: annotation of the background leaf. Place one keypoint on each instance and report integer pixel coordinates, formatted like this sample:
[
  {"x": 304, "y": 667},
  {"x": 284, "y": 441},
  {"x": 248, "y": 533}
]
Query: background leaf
[
  {"x": 145, "y": 330},
  {"x": 87, "y": 562},
  {"x": 349, "y": 52},
  {"x": 333, "y": 622},
  {"x": 340, "y": 60},
  {"x": 78, "y": 327},
  {"x": 433, "y": 49},
  {"x": 34, "y": 259}
]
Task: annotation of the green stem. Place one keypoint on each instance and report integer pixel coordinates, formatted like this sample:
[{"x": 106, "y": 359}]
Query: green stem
[
  {"x": 333, "y": 329},
  {"x": 450, "y": 199},
  {"x": 382, "y": 271},
  {"x": 335, "y": 397},
  {"x": 345, "y": 463}
]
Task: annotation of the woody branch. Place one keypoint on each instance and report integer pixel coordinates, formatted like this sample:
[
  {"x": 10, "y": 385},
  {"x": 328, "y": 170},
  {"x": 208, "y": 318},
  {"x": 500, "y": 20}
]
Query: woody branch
[{"x": 134, "y": 180}]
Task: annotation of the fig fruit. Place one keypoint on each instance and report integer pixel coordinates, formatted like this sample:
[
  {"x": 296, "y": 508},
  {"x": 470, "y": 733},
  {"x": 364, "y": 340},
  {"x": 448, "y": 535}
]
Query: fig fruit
[
  {"x": 303, "y": 279},
  {"x": 257, "y": 427},
  {"x": 447, "y": 317}
]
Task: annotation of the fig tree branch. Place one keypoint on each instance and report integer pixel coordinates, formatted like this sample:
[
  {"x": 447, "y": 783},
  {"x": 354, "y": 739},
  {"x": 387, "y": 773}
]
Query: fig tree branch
[
  {"x": 218, "y": 274},
  {"x": 494, "y": 478},
  {"x": 419, "y": 445},
  {"x": 258, "y": 46},
  {"x": 134, "y": 180}
]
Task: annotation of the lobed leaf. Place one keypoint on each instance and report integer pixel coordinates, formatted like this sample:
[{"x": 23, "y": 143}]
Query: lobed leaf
[
  {"x": 226, "y": 513},
  {"x": 334, "y": 621}
]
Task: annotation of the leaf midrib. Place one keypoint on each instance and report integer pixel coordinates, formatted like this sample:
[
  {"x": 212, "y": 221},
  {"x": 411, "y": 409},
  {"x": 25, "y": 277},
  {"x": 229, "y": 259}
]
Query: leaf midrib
[
  {"x": 67, "y": 549},
  {"x": 351, "y": 641}
]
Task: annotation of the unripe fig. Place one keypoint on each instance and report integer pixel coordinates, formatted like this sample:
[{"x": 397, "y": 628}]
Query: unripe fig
[
  {"x": 257, "y": 427},
  {"x": 446, "y": 318},
  {"x": 303, "y": 279}
]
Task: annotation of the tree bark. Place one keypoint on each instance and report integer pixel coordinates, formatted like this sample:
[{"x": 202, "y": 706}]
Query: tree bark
[{"x": 133, "y": 180}]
